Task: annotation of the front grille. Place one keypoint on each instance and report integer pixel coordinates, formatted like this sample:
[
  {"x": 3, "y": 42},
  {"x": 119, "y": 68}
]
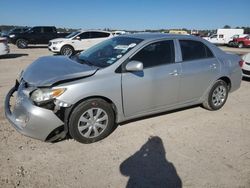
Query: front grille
[{"x": 246, "y": 72}]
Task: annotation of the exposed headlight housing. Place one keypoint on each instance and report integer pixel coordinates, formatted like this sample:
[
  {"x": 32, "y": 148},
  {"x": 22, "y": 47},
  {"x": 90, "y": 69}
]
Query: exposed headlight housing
[
  {"x": 57, "y": 42},
  {"x": 43, "y": 95},
  {"x": 12, "y": 36}
]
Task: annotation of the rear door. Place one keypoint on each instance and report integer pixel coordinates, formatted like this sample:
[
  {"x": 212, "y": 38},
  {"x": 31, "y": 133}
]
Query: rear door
[
  {"x": 97, "y": 37},
  {"x": 49, "y": 33},
  {"x": 157, "y": 85},
  {"x": 199, "y": 69}
]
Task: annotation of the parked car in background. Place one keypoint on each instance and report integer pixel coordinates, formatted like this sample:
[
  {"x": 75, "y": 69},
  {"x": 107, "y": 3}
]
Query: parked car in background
[
  {"x": 16, "y": 30},
  {"x": 117, "y": 33},
  {"x": 78, "y": 41},
  {"x": 242, "y": 42},
  {"x": 245, "y": 65},
  {"x": 35, "y": 35},
  {"x": 4, "y": 48},
  {"x": 122, "y": 78},
  {"x": 232, "y": 43},
  {"x": 224, "y": 36}
]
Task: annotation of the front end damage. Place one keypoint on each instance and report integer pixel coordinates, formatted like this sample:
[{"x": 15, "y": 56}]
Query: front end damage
[{"x": 45, "y": 121}]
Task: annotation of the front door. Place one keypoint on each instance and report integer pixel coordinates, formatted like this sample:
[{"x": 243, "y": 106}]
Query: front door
[
  {"x": 81, "y": 42},
  {"x": 157, "y": 85}
]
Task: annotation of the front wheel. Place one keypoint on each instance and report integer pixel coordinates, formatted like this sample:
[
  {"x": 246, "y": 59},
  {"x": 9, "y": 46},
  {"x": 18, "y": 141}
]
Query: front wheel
[
  {"x": 67, "y": 50},
  {"x": 231, "y": 44},
  {"x": 217, "y": 96},
  {"x": 91, "y": 121}
]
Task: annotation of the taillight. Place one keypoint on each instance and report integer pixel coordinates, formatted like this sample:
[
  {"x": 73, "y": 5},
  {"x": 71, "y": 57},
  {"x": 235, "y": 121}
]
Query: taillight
[{"x": 241, "y": 62}]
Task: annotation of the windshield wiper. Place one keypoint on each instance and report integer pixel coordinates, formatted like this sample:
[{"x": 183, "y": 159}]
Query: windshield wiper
[{"x": 86, "y": 62}]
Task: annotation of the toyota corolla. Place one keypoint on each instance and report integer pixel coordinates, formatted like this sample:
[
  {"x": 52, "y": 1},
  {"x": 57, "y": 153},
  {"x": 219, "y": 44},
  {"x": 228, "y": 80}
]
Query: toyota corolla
[{"x": 120, "y": 79}]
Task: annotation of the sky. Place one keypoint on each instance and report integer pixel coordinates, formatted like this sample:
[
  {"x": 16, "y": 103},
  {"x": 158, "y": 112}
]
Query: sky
[{"x": 126, "y": 14}]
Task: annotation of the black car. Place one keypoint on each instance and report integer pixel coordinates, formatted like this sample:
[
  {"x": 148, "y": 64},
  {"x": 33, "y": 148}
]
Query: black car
[{"x": 35, "y": 35}]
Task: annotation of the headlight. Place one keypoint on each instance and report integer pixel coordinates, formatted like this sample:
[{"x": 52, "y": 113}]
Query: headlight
[
  {"x": 12, "y": 36},
  {"x": 58, "y": 42},
  {"x": 42, "y": 95}
]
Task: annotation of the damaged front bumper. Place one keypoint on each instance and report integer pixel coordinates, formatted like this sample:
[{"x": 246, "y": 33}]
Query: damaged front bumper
[{"x": 31, "y": 120}]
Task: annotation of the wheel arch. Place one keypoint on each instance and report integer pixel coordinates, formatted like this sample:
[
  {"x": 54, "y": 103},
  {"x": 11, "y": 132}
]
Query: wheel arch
[
  {"x": 21, "y": 38},
  {"x": 67, "y": 45},
  {"x": 70, "y": 110},
  {"x": 227, "y": 80}
]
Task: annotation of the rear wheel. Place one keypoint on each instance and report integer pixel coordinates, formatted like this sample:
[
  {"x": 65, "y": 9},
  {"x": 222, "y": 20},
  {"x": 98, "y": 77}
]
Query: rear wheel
[
  {"x": 67, "y": 50},
  {"x": 217, "y": 96},
  {"x": 91, "y": 121},
  {"x": 22, "y": 43}
]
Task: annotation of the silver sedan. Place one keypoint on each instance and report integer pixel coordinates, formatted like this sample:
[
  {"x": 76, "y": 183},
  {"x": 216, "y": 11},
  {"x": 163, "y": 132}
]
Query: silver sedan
[{"x": 86, "y": 96}]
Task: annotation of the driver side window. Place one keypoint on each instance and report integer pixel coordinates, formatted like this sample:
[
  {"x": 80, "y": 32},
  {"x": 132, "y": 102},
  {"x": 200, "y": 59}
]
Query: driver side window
[
  {"x": 37, "y": 30},
  {"x": 158, "y": 53},
  {"x": 85, "y": 35}
]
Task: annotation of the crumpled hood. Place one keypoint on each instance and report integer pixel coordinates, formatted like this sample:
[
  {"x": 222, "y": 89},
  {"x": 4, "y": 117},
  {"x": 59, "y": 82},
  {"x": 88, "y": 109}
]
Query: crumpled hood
[{"x": 46, "y": 71}]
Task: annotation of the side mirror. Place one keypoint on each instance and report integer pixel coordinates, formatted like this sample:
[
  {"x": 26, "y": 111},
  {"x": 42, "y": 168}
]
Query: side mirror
[
  {"x": 77, "y": 38},
  {"x": 134, "y": 66}
]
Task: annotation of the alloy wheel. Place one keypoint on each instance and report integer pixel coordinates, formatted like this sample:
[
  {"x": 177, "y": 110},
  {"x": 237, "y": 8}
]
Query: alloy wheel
[{"x": 219, "y": 95}]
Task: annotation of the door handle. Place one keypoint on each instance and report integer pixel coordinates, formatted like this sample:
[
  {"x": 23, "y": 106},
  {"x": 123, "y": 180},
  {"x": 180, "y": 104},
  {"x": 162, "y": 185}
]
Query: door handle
[
  {"x": 174, "y": 73},
  {"x": 213, "y": 66}
]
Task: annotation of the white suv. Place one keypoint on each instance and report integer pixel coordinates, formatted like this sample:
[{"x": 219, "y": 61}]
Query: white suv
[{"x": 77, "y": 41}]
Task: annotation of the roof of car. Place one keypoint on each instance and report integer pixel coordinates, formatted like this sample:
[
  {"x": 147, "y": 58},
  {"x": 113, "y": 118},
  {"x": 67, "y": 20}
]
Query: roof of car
[
  {"x": 153, "y": 36},
  {"x": 93, "y": 30}
]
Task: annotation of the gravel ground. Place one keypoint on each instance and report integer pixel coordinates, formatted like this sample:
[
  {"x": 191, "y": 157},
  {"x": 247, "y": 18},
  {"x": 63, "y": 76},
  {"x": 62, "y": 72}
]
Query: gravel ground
[{"x": 186, "y": 148}]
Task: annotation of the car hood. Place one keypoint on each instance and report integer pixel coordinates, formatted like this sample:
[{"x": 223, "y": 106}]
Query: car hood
[
  {"x": 58, "y": 39},
  {"x": 47, "y": 71}
]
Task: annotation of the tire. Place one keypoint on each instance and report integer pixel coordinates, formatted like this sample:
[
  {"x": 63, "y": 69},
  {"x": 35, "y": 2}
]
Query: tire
[
  {"x": 22, "y": 43},
  {"x": 67, "y": 50},
  {"x": 87, "y": 128},
  {"x": 231, "y": 44},
  {"x": 240, "y": 45},
  {"x": 217, "y": 96}
]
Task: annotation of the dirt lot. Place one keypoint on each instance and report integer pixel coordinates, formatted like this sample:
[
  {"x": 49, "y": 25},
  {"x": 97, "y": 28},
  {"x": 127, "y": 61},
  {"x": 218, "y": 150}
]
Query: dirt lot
[{"x": 188, "y": 148}]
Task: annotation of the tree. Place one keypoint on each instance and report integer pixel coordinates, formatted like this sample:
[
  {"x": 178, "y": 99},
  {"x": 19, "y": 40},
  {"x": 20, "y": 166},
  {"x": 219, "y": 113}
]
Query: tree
[{"x": 227, "y": 27}]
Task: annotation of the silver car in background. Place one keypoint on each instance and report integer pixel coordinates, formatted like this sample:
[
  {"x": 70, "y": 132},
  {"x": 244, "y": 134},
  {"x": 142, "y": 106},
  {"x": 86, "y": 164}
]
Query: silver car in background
[{"x": 120, "y": 79}]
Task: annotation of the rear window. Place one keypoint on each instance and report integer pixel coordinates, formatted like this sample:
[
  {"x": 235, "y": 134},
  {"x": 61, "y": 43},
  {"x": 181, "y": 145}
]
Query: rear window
[
  {"x": 99, "y": 34},
  {"x": 193, "y": 50}
]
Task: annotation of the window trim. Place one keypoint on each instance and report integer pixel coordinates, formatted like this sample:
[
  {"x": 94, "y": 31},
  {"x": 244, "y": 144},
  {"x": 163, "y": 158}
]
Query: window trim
[{"x": 180, "y": 51}]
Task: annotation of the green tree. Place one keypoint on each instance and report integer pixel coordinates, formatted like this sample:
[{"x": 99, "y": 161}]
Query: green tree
[{"x": 227, "y": 27}]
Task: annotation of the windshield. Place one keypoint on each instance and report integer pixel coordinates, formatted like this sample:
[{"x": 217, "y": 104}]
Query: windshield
[
  {"x": 72, "y": 34},
  {"x": 108, "y": 52}
]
